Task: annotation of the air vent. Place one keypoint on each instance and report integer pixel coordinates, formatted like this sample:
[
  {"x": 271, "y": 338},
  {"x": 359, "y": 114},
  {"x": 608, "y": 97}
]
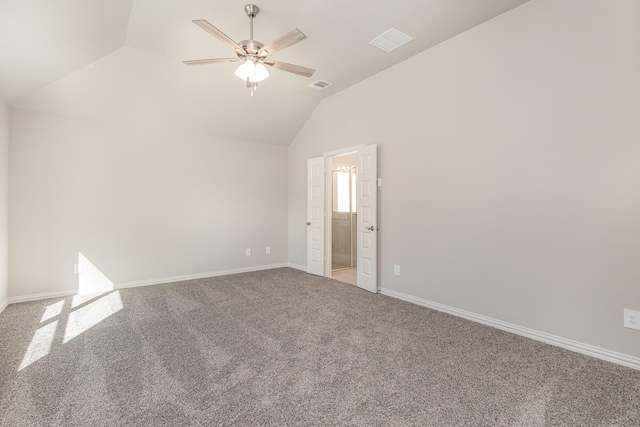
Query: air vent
[
  {"x": 390, "y": 40},
  {"x": 319, "y": 85}
]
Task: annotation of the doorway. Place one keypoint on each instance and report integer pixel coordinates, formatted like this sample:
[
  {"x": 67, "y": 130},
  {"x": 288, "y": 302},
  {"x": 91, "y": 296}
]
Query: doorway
[
  {"x": 363, "y": 258},
  {"x": 344, "y": 218}
]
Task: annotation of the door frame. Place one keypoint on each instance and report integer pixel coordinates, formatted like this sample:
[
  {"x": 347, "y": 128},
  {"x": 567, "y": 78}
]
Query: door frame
[{"x": 328, "y": 226}]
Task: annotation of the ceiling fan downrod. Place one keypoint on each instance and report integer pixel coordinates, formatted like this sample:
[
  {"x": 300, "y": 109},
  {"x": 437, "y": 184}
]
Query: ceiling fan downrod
[
  {"x": 251, "y": 46},
  {"x": 252, "y": 10}
]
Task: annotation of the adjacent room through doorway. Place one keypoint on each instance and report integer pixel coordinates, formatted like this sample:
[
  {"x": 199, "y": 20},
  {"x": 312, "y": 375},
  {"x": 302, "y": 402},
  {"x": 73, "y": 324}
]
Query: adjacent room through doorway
[{"x": 344, "y": 218}]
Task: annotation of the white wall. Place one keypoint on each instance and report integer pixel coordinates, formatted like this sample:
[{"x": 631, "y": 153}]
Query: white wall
[
  {"x": 139, "y": 204},
  {"x": 4, "y": 204},
  {"x": 510, "y": 158}
]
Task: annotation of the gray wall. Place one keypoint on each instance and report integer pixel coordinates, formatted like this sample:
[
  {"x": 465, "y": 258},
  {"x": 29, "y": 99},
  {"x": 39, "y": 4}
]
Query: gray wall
[
  {"x": 510, "y": 158},
  {"x": 4, "y": 203},
  {"x": 139, "y": 204}
]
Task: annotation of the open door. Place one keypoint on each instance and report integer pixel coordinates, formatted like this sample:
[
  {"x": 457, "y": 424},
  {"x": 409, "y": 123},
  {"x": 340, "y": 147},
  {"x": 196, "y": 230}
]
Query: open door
[
  {"x": 368, "y": 218},
  {"x": 315, "y": 216}
]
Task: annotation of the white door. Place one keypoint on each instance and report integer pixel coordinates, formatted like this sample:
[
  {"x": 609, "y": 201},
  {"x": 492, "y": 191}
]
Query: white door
[
  {"x": 315, "y": 216},
  {"x": 368, "y": 218}
]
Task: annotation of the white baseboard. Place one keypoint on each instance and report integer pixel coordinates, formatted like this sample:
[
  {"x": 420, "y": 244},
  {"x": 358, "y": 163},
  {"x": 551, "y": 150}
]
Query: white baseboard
[
  {"x": 198, "y": 276},
  {"x": 3, "y": 305},
  {"x": 578, "y": 347},
  {"x": 298, "y": 267},
  {"x": 47, "y": 295},
  {"x": 44, "y": 295}
]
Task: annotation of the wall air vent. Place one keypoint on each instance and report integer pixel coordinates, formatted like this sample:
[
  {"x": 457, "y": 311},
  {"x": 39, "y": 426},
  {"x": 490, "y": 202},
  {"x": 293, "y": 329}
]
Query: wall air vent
[
  {"x": 319, "y": 85},
  {"x": 390, "y": 40}
]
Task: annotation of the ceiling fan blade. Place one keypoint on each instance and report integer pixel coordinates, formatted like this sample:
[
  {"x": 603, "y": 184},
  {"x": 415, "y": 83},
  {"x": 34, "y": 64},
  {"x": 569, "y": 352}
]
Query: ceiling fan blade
[
  {"x": 291, "y": 38},
  {"x": 291, "y": 68},
  {"x": 209, "y": 61},
  {"x": 205, "y": 25}
]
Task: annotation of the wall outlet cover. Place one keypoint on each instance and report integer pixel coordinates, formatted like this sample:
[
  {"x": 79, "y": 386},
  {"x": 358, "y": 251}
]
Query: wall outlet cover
[{"x": 632, "y": 319}]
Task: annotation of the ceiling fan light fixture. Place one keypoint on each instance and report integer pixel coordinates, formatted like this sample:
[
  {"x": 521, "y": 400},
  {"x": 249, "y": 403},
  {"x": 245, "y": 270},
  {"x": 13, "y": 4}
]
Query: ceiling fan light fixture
[{"x": 255, "y": 72}]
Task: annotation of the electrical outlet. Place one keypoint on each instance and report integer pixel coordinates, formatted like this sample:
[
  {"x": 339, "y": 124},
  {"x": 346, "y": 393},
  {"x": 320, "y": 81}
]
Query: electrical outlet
[
  {"x": 631, "y": 319},
  {"x": 396, "y": 270},
  {"x": 247, "y": 252},
  {"x": 268, "y": 250}
]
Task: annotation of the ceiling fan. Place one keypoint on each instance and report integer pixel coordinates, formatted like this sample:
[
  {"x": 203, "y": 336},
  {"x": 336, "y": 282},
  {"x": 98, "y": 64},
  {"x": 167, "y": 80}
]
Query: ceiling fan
[{"x": 252, "y": 53}]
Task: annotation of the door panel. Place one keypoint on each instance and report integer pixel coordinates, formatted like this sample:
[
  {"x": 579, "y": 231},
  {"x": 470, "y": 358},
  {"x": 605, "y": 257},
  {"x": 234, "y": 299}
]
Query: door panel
[
  {"x": 367, "y": 218},
  {"x": 315, "y": 215}
]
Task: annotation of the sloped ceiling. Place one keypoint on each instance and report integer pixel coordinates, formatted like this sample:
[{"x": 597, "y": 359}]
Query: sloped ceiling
[{"x": 121, "y": 60}]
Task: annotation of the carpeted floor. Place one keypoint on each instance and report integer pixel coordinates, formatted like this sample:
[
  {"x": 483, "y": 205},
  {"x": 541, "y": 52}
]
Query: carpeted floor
[{"x": 281, "y": 347}]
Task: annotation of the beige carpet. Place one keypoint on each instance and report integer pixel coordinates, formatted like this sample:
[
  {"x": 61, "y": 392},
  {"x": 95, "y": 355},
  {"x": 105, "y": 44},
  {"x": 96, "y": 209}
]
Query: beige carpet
[{"x": 281, "y": 347}]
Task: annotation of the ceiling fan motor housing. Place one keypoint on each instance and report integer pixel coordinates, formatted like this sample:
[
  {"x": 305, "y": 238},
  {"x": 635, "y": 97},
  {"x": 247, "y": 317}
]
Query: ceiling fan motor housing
[{"x": 251, "y": 46}]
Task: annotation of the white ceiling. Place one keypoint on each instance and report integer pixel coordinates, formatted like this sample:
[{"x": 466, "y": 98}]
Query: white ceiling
[{"x": 122, "y": 59}]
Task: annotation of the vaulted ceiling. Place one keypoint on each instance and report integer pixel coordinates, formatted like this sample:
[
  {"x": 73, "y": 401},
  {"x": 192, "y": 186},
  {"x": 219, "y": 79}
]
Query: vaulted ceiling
[{"x": 121, "y": 60}]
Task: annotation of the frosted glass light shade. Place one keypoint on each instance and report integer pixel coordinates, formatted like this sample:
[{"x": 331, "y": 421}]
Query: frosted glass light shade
[
  {"x": 246, "y": 70},
  {"x": 255, "y": 72},
  {"x": 261, "y": 72}
]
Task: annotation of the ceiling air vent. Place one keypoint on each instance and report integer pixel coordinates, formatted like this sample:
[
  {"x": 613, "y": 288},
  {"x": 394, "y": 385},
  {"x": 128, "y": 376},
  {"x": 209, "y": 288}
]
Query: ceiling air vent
[
  {"x": 319, "y": 85},
  {"x": 390, "y": 40}
]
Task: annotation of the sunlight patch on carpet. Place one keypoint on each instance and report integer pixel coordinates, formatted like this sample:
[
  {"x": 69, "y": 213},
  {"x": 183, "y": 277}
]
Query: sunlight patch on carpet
[
  {"x": 91, "y": 314},
  {"x": 52, "y": 311},
  {"x": 95, "y": 302},
  {"x": 40, "y": 344}
]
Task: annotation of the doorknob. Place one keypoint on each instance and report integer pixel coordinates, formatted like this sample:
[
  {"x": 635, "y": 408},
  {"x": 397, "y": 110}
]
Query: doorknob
[
  {"x": 370, "y": 228},
  {"x": 308, "y": 223}
]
